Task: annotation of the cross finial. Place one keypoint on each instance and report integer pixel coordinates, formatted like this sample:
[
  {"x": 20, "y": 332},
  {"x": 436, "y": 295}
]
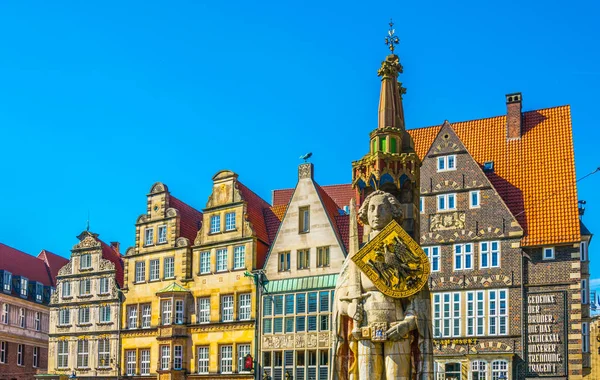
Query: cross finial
[{"x": 391, "y": 39}]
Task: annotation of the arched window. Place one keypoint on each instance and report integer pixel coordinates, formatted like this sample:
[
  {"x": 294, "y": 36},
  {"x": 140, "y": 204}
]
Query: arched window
[
  {"x": 499, "y": 370},
  {"x": 479, "y": 370}
]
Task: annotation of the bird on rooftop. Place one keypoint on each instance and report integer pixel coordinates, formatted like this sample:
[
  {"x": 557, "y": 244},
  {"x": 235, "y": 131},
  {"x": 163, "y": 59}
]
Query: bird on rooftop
[{"x": 306, "y": 156}]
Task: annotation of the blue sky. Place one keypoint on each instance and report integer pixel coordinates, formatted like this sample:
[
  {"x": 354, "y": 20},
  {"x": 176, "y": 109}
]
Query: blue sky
[{"x": 100, "y": 100}]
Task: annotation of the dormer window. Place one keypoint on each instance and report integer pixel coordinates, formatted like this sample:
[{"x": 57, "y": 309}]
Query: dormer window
[
  {"x": 215, "y": 224},
  {"x": 24, "y": 283},
  {"x": 7, "y": 279},
  {"x": 446, "y": 163},
  {"x": 39, "y": 292},
  {"x": 85, "y": 261}
]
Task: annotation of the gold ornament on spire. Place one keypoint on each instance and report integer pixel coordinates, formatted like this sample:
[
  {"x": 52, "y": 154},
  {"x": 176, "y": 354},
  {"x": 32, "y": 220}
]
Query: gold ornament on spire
[{"x": 391, "y": 39}]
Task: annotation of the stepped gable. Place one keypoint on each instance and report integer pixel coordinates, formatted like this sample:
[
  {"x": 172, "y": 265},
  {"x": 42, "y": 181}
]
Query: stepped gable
[
  {"x": 19, "y": 263},
  {"x": 341, "y": 195},
  {"x": 534, "y": 174},
  {"x": 255, "y": 209},
  {"x": 53, "y": 262},
  {"x": 190, "y": 218}
]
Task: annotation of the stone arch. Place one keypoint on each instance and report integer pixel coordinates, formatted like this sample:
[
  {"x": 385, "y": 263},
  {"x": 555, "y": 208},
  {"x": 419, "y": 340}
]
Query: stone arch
[{"x": 158, "y": 187}]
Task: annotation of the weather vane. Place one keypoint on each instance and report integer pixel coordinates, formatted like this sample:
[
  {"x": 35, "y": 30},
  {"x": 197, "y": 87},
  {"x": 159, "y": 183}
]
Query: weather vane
[{"x": 391, "y": 39}]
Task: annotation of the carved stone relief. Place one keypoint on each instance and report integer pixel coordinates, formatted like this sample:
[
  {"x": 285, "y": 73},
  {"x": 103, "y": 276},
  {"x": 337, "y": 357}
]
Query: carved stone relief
[{"x": 447, "y": 221}]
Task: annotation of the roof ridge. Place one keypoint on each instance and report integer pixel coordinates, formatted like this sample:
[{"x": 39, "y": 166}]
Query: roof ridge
[{"x": 254, "y": 193}]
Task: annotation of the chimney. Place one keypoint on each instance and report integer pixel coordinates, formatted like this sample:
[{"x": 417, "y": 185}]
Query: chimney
[
  {"x": 513, "y": 116},
  {"x": 305, "y": 170},
  {"x": 115, "y": 245}
]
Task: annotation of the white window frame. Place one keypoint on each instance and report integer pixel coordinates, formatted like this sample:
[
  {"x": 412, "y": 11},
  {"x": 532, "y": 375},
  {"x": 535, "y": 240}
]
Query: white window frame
[
  {"x": 162, "y": 234},
  {"x": 215, "y": 224},
  {"x": 230, "y": 221},
  {"x": 22, "y": 318},
  {"x": 140, "y": 272},
  {"x": 480, "y": 307},
  {"x": 499, "y": 367},
  {"x": 203, "y": 359},
  {"x": 154, "y": 270},
  {"x": 103, "y": 285},
  {"x": 24, "y": 284},
  {"x": 148, "y": 236},
  {"x": 244, "y": 306},
  {"x": 585, "y": 292},
  {"x": 37, "y": 321},
  {"x": 481, "y": 367},
  {"x": 62, "y": 354},
  {"x": 130, "y": 362},
  {"x": 583, "y": 251},
  {"x": 445, "y": 163},
  {"x": 545, "y": 252},
  {"x": 227, "y": 308},
  {"x": 239, "y": 257},
  {"x": 179, "y": 314},
  {"x": 39, "y": 289},
  {"x": 226, "y": 356},
  {"x": 83, "y": 353},
  {"x": 490, "y": 254},
  {"x": 145, "y": 362},
  {"x": 433, "y": 254},
  {"x": 104, "y": 312},
  {"x": 84, "y": 315},
  {"x": 463, "y": 255},
  {"x": 165, "y": 357},
  {"x": 242, "y": 351},
  {"x": 169, "y": 267},
  {"x": 447, "y": 314},
  {"x": 222, "y": 259},
  {"x": 7, "y": 281},
  {"x": 36, "y": 357},
  {"x": 64, "y": 317},
  {"x": 146, "y": 316},
  {"x": 441, "y": 207},
  {"x": 477, "y": 195},
  {"x": 85, "y": 287},
  {"x": 585, "y": 337},
  {"x": 20, "y": 355},
  {"x": 66, "y": 289},
  {"x": 204, "y": 310},
  {"x": 85, "y": 261},
  {"x": 205, "y": 262},
  {"x": 3, "y": 352},
  {"x": 104, "y": 353},
  {"x": 132, "y": 316},
  {"x": 166, "y": 310}
]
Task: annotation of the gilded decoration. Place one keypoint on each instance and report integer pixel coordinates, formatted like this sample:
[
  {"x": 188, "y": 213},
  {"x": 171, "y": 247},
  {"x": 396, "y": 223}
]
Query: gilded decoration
[
  {"x": 394, "y": 262},
  {"x": 447, "y": 221},
  {"x": 222, "y": 327}
]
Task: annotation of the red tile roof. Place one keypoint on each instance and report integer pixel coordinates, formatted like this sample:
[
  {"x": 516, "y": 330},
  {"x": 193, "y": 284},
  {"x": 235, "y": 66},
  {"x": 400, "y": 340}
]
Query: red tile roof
[
  {"x": 53, "y": 263},
  {"x": 109, "y": 253},
  {"x": 341, "y": 195},
  {"x": 19, "y": 263},
  {"x": 333, "y": 211},
  {"x": 190, "y": 218},
  {"x": 255, "y": 212},
  {"x": 273, "y": 217},
  {"x": 535, "y": 175}
]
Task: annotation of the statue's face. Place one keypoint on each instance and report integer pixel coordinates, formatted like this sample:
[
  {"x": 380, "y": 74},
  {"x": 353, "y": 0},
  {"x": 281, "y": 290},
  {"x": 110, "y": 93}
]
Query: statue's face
[{"x": 379, "y": 213}]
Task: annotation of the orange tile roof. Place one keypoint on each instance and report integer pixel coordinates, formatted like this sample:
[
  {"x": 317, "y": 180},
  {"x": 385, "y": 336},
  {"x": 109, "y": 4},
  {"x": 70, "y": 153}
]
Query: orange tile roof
[
  {"x": 535, "y": 175},
  {"x": 255, "y": 211},
  {"x": 341, "y": 194}
]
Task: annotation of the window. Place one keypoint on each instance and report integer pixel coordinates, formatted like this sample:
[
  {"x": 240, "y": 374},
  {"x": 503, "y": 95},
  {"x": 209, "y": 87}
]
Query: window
[
  {"x": 132, "y": 316},
  {"x": 7, "y": 277},
  {"x": 422, "y": 205},
  {"x": 303, "y": 258},
  {"x": 62, "y": 354},
  {"x": 20, "y": 353},
  {"x": 22, "y": 317},
  {"x": 585, "y": 337},
  {"x": 178, "y": 312},
  {"x": 452, "y": 371},
  {"x": 221, "y": 259},
  {"x": 243, "y": 350},
  {"x": 284, "y": 261},
  {"x": 204, "y": 262},
  {"x": 5, "y": 313},
  {"x": 239, "y": 257},
  {"x": 36, "y": 357},
  {"x": 230, "y": 221},
  {"x": 165, "y": 357},
  {"x": 37, "y": 321},
  {"x": 82, "y": 353},
  {"x": 24, "y": 283},
  {"x": 144, "y": 362},
  {"x": 446, "y": 202},
  {"x": 499, "y": 369},
  {"x": 104, "y": 353},
  {"x": 149, "y": 237},
  {"x": 140, "y": 271},
  {"x": 463, "y": 256},
  {"x": 166, "y": 309},
  {"x": 474, "y": 203},
  {"x": 202, "y": 360},
  {"x": 64, "y": 317},
  {"x": 3, "y": 352},
  {"x": 104, "y": 285},
  {"x": 215, "y": 224},
  {"x": 497, "y": 312},
  {"x": 130, "y": 362},
  {"x": 227, "y": 308},
  {"x": 104, "y": 313},
  {"x": 146, "y": 316},
  {"x": 66, "y": 289},
  {"x": 204, "y": 310},
  {"x": 39, "y": 292},
  {"x": 446, "y": 163},
  {"x": 433, "y": 254},
  {"x": 585, "y": 292},
  {"x": 84, "y": 315},
  {"x": 489, "y": 254},
  {"x": 304, "y": 219},
  {"x": 322, "y": 257},
  {"x": 446, "y": 314},
  {"x": 85, "y": 261},
  {"x": 169, "y": 264},
  {"x": 162, "y": 234},
  {"x": 548, "y": 253},
  {"x": 177, "y": 357},
  {"x": 85, "y": 287},
  {"x": 154, "y": 270},
  {"x": 244, "y": 307},
  {"x": 583, "y": 251},
  {"x": 480, "y": 312},
  {"x": 226, "y": 359}
]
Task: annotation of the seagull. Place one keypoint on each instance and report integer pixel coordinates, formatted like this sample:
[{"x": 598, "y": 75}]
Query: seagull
[{"x": 306, "y": 156}]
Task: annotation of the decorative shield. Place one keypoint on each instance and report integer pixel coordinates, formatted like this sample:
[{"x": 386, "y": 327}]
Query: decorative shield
[{"x": 395, "y": 263}]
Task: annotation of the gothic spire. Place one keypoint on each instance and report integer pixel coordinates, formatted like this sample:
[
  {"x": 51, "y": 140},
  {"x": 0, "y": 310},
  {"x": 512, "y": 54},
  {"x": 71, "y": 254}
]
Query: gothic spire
[{"x": 391, "y": 112}]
